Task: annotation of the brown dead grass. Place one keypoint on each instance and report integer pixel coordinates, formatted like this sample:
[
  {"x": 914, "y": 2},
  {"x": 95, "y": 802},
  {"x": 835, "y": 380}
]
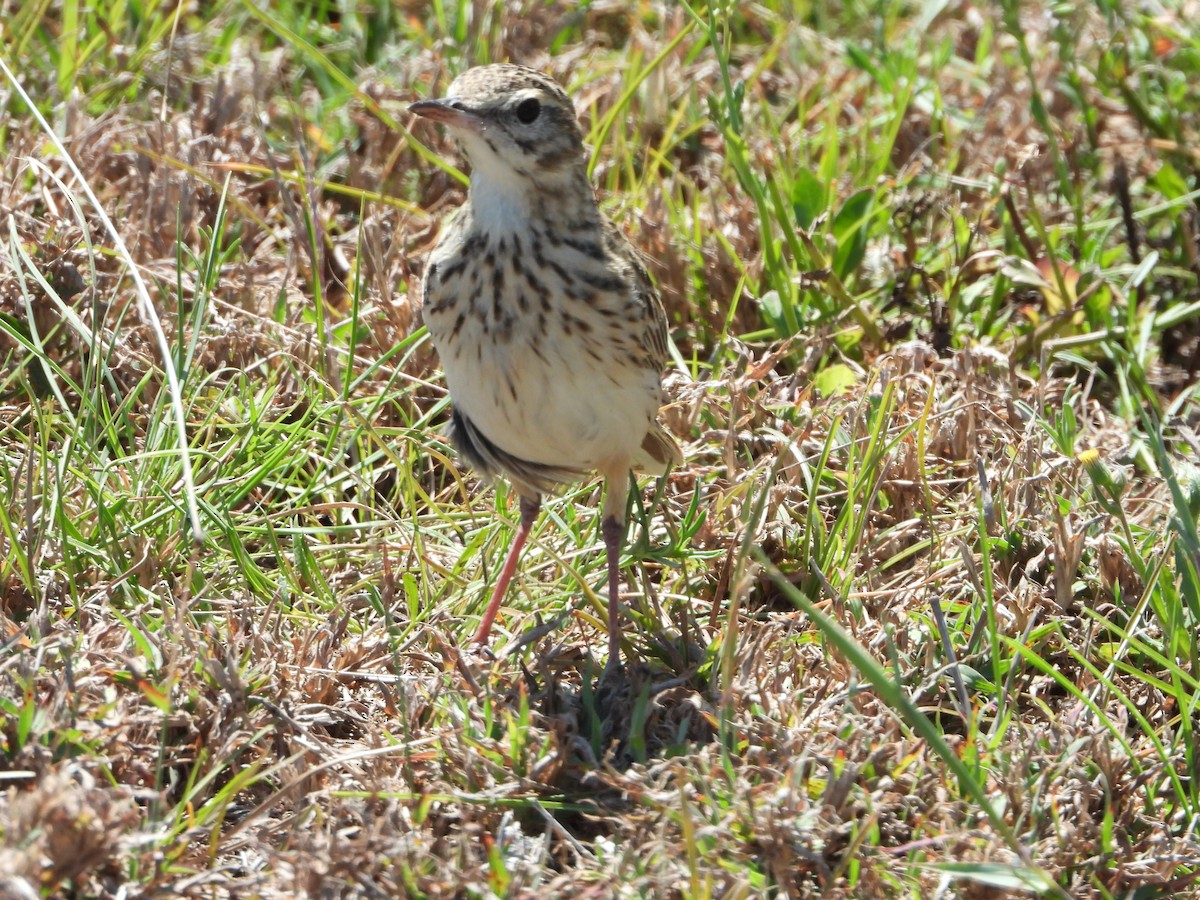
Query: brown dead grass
[{"x": 343, "y": 765}]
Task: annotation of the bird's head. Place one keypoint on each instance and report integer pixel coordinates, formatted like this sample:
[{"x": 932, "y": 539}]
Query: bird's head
[{"x": 512, "y": 122}]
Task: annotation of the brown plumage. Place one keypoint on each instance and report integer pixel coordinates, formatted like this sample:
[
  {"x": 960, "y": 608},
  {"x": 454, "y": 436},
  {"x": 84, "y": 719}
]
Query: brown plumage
[{"x": 551, "y": 334}]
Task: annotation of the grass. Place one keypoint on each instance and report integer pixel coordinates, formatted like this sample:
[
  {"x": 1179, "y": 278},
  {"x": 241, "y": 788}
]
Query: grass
[{"x": 919, "y": 616}]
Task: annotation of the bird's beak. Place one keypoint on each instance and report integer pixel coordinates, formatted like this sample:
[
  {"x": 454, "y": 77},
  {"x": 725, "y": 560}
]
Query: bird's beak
[{"x": 444, "y": 112}]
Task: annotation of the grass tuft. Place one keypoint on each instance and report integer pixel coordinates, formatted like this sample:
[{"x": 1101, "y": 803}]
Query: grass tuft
[{"x": 918, "y": 616}]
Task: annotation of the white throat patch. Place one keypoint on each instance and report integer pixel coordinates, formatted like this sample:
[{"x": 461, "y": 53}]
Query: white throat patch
[{"x": 500, "y": 197}]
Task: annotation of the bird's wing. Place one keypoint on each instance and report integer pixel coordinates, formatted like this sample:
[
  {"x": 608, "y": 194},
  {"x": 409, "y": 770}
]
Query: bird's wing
[{"x": 650, "y": 319}]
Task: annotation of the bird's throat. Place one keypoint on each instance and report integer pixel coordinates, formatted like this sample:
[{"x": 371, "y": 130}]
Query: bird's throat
[{"x": 501, "y": 202}]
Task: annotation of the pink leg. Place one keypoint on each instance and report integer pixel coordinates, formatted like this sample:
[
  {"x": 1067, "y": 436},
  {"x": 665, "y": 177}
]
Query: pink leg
[{"x": 529, "y": 511}]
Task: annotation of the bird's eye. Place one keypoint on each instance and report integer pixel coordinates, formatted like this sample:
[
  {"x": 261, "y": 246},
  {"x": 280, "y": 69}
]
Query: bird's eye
[{"x": 528, "y": 111}]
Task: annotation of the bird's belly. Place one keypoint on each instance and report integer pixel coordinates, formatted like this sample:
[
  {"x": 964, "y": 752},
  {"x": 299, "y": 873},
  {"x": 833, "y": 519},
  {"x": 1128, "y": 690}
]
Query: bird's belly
[{"x": 553, "y": 397}]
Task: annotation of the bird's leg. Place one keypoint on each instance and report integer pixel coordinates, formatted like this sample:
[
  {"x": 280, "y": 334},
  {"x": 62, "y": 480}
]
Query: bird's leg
[
  {"x": 613, "y": 529},
  {"x": 529, "y": 511},
  {"x": 614, "y": 534}
]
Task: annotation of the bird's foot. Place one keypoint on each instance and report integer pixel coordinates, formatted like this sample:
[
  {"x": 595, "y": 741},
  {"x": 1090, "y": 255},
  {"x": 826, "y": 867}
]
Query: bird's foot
[
  {"x": 614, "y": 694},
  {"x": 474, "y": 661}
]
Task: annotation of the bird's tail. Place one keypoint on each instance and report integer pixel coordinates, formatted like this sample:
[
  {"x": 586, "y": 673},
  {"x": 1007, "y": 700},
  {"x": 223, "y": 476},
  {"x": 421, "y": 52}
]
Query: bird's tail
[{"x": 661, "y": 450}]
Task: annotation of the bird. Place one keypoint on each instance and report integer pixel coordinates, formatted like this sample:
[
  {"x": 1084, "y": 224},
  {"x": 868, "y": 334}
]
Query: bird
[{"x": 551, "y": 334}]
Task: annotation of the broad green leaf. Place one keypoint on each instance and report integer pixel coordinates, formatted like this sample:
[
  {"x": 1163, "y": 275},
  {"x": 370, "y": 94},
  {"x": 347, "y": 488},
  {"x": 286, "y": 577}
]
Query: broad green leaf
[
  {"x": 850, "y": 230},
  {"x": 999, "y": 875},
  {"x": 834, "y": 379},
  {"x": 809, "y": 198},
  {"x": 1169, "y": 182}
]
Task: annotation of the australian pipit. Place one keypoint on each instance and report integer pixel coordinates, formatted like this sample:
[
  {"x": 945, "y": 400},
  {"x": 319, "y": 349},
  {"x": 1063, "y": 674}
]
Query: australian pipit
[{"x": 551, "y": 335}]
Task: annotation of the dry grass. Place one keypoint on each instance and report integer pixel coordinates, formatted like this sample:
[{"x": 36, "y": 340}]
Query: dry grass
[{"x": 285, "y": 710}]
